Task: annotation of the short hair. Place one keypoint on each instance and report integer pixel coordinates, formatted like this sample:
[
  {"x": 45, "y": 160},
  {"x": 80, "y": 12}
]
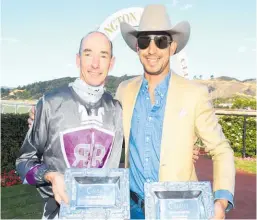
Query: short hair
[{"x": 81, "y": 42}]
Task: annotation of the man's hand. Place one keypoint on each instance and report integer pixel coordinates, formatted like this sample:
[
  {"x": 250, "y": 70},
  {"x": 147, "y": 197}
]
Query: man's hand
[
  {"x": 57, "y": 180},
  {"x": 31, "y": 116},
  {"x": 219, "y": 209},
  {"x": 196, "y": 153}
]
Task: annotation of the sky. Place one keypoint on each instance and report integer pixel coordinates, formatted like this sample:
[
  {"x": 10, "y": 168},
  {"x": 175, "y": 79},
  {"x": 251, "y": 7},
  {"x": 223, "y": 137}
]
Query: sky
[{"x": 40, "y": 38}]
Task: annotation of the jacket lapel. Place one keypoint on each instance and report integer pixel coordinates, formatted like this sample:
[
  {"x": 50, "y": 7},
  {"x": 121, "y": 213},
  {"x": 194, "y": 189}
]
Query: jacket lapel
[
  {"x": 168, "y": 158},
  {"x": 128, "y": 105}
]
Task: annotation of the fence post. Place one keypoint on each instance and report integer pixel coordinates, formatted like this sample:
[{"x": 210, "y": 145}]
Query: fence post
[{"x": 244, "y": 136}]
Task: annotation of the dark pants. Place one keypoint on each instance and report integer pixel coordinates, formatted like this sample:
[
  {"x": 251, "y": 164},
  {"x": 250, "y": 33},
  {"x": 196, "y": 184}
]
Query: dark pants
[{"x": 135, "y": 210}]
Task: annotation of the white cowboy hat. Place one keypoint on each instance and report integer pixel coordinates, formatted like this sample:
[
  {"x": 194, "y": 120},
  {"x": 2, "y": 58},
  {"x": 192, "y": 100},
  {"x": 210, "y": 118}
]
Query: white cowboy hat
[{"x": 155, "y": 18}]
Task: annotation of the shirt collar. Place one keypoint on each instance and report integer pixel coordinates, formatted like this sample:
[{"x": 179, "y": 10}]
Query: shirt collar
[{"x": 161, "y": 88}]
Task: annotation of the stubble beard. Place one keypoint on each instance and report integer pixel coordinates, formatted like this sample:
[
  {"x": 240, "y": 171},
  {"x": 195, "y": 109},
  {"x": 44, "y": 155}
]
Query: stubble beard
[{"x": 155, "y": 73}]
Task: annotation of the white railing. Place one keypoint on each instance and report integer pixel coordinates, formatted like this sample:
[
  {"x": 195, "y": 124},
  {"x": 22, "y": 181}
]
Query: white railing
[{"x": 13, "y": 107}]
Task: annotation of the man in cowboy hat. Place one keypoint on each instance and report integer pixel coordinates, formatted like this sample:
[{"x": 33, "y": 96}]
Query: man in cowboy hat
[{"x": 165, "y": 113}]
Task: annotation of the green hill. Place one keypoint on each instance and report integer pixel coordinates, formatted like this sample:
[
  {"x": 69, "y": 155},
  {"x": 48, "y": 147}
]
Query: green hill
[{"x": 37, "y": 89}]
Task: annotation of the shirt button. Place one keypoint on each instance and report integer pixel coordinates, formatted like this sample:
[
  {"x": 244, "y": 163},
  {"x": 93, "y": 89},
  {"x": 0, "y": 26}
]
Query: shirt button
[
  {"x": 149, "y": 118},
  {"x": 147, "y": 139},
  {"x": 146, "y": 159},
  {"x": 148, "y": 180}
]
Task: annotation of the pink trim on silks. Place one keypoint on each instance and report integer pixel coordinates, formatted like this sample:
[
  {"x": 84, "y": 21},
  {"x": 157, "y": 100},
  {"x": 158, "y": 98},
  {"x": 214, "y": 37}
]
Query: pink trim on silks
[{"x": 30, "y": 176}]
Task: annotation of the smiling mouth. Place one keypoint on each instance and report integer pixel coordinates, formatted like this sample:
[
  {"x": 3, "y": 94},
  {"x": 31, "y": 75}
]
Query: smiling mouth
[
  {"x": 152, "y": 61},
  {"x": 94, "y": 73}
]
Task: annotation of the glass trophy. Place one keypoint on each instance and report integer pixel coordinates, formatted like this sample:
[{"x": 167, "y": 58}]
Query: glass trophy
[
  {"x": 96, "y": 193},
  {"x": 178, "y": 200}
]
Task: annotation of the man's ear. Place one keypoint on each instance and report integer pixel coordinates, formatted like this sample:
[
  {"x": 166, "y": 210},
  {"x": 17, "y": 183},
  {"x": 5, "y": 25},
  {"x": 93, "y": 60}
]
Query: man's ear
[
  {"x": 112, "y": 62},
  {"x": 78, "y": 60},
  {"x": 173, "y": 47}
]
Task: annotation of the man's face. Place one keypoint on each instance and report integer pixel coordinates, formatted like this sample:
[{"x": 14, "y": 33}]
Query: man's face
[
  {"x": 95, "y": 59},
  {"x": 155, "y": 60}
]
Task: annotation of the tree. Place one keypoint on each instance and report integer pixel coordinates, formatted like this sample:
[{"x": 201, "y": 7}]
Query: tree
[
  {"x": 212, "y": 76},
  {"x": 201, "y": 76}
]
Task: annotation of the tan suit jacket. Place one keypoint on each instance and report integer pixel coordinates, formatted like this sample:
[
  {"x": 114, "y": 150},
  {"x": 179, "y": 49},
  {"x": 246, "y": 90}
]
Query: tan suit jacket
[{"x": 188, "y": 114}]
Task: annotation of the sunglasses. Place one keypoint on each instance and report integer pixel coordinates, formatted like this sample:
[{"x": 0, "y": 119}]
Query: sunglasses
[{"x": 161, "y": 41}]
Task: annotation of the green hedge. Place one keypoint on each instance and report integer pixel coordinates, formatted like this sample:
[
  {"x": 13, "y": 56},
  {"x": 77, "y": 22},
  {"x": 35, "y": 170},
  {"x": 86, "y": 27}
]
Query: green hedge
[
  {"x": 14, "y": 128},
  {"x": 233, "y": 129},
  {"x": 13, "y": 131}
]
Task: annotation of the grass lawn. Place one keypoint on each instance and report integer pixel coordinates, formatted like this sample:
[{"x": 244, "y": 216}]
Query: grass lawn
[
  {"x": 21, "y": 202},
  {"x": 245, "y": 165}
]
